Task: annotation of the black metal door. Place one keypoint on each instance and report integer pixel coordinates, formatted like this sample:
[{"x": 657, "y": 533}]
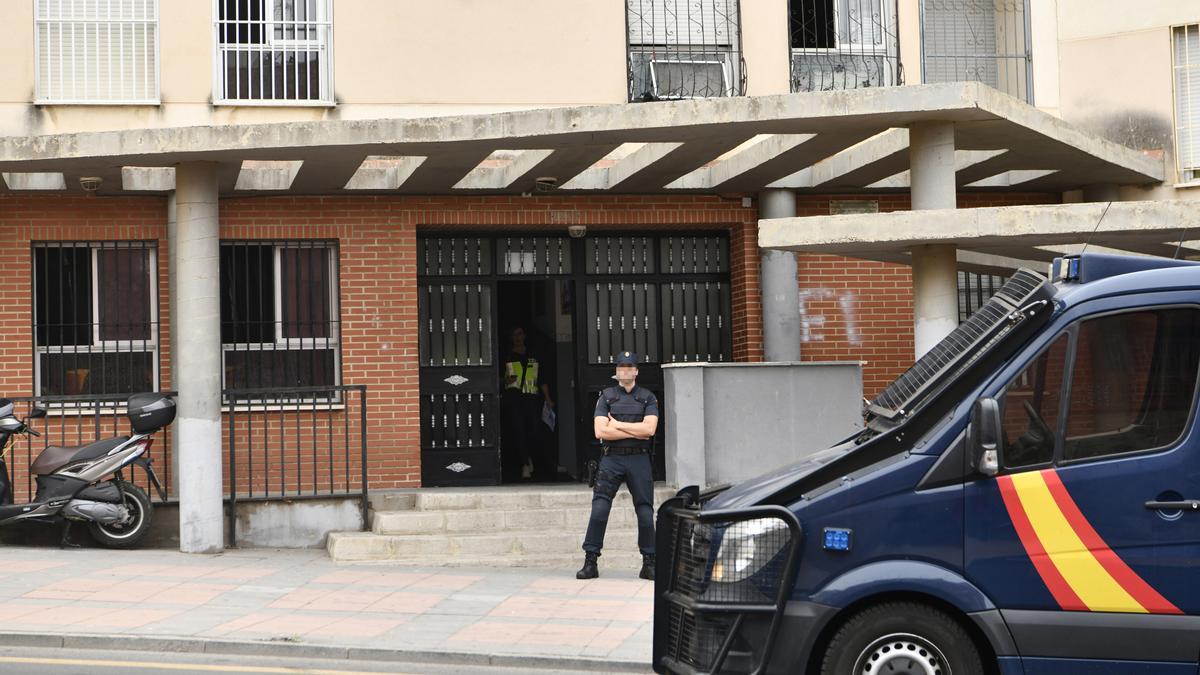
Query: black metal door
[
  {"x": 665, "y": 297},
  {"x": 459, "y": 392}
]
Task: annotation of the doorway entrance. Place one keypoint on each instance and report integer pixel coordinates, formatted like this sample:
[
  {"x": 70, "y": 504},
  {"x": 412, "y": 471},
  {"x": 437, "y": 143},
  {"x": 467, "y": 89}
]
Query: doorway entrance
[{"x": 578, "y": 301}]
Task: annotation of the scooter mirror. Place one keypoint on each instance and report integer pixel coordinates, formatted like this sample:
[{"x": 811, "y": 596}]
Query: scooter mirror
[{"x": 37, "y": 413}]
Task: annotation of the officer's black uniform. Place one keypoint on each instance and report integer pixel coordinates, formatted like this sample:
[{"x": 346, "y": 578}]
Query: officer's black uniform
[{"x": 625, "y": 460}]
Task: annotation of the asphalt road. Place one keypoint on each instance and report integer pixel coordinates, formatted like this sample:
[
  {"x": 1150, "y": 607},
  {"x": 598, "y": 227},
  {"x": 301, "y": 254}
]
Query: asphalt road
[{"x": 39, "y": 661}]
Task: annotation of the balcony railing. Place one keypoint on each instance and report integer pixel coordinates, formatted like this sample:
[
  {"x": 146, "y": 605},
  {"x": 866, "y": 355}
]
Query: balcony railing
[
  {"x": 981, "y": 40},
  {"x": 680, "y": 49},
  {"x": 843, "y": 44}
]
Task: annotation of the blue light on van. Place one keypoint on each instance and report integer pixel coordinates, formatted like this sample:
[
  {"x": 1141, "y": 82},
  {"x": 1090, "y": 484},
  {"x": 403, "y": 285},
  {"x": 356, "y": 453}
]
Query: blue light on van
[{"x": 837, "y": 539}]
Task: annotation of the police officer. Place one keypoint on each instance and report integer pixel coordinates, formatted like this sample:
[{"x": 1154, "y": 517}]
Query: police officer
[{"x": 625, "y": 421}]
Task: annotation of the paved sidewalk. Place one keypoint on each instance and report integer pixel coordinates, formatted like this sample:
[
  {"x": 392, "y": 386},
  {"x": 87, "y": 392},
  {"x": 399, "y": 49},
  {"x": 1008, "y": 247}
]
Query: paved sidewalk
[{"x": 298, "y": 602}]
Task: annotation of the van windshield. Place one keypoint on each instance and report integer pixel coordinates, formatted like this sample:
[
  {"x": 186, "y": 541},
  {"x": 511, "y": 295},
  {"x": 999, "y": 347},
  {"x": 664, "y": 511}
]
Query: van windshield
[{"x": 948, "y": 359}]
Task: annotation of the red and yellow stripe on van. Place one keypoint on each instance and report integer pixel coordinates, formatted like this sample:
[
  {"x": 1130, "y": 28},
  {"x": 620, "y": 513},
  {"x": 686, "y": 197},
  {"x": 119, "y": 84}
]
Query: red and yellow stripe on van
[{"x": 1079, "y": 569}]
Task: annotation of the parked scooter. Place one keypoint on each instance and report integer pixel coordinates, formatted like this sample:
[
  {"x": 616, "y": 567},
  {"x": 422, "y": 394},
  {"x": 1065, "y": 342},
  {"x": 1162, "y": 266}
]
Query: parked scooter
[{"x": 84, "y": 483}]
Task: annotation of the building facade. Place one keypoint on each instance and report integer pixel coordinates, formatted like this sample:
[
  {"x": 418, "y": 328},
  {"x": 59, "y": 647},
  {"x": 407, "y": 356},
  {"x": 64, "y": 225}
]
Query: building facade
[{"x": 401, "y": 266}]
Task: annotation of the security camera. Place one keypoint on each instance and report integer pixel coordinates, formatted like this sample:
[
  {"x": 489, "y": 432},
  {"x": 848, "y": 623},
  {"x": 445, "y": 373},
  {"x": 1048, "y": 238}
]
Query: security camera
[
  {"x": 577, "y": 231},
  {"x": 90, "y": 183}
]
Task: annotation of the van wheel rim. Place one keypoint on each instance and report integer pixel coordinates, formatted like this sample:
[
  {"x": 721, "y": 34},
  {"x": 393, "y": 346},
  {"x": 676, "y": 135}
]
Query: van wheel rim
[
  {"x": 124, "y": 531},
  {"x": 902, "y": 653}
]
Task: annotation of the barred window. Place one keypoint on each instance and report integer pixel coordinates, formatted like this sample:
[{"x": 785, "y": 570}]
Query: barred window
[
  {"x": 1186, "y": 59},
  {"x": 974, "y": 290},
  {"x": 274, "y": 51},
  {"x": 279, "y": 314},
  {"x": 96, "y": 52},
  {"x": 684, "y": 49},
  {"x": 95, "y": 318}
]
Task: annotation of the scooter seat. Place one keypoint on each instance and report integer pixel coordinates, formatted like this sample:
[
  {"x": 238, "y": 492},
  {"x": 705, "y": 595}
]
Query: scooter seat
[{"x": 55, "y": 457}]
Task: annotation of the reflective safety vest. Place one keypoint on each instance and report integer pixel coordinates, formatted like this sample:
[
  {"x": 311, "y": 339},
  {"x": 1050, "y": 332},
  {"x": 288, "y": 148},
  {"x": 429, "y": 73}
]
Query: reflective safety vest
[{"x": 522, "y": 377}]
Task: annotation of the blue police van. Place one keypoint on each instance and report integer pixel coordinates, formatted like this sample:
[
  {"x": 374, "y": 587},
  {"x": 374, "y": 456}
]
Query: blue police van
[{"x": 1024, "y": 499}]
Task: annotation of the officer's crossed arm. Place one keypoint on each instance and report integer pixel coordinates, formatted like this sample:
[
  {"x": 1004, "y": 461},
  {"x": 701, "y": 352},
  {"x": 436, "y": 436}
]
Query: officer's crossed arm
[
  {"x": 607, "y": 430},
  {"x": 643, "y": 430}
]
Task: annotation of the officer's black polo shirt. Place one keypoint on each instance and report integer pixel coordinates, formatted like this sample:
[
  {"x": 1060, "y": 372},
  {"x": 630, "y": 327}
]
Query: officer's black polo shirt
[{"x": 627, "y": 406}]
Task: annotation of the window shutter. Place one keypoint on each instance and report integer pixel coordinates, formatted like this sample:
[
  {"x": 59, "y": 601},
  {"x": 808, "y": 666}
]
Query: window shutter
[
  {"x": 709, "y": 23},
  {"x": 97, "y": 50},
  {"x": 1187, "y": 98}
]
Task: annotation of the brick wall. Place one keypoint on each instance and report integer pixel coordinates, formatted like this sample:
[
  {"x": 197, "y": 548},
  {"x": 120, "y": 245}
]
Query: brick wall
[
  {"x": 378, "y": 301},
  {"x": 854, "y": 310}
]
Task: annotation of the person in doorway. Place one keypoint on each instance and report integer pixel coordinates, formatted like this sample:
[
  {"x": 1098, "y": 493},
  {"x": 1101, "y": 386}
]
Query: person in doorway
[
  {"x": 525, "y": 393},
  {"x": 625, "y": 421}
]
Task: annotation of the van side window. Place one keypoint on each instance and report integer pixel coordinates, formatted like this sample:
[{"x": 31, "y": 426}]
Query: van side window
[
  {"x": 1029, "y": 405},
  {"x": 1133, "y": 382}
]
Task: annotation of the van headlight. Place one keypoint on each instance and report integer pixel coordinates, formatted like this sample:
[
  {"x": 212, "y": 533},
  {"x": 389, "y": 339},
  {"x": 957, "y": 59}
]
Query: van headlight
[{"x": 747, "y": 546}]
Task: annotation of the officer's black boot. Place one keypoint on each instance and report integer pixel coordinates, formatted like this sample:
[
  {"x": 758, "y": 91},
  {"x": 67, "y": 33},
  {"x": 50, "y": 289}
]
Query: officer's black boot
[
  {"x": 589, "y": 569},
  {"x": 647, "y": 567}
]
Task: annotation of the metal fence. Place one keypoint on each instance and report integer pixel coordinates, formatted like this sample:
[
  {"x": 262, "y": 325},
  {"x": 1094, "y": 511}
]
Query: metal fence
[
  {"x": 79, "y": 420},
  {"x": 314, "y": 446},
  {"x": 843, "y": 44},
  {"x": 983, "y": 40},
  {"x": 681, "y": 49}
]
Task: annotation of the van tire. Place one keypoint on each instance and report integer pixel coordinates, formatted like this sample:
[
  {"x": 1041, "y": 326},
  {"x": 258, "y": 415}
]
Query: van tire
[{"x": 907, "y": 631}]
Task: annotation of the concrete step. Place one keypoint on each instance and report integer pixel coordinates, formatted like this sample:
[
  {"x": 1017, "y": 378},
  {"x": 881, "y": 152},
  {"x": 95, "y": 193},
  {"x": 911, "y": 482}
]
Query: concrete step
[
  {"x": 449, "y": 549},
  {"x": 612, "y": 560},
  {"x": 465, "y": 521},
  {"x": 517, "y": 497}
]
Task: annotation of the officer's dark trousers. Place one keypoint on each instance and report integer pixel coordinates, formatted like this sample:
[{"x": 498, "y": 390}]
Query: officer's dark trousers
[{"x": 636, "y": 471}]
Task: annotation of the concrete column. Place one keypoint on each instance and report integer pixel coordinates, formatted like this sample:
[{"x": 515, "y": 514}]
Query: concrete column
[
  {"x": 780, "y": 289},
  {"x": 197, "y": 357},
  {"x": 934, "y": 267}
]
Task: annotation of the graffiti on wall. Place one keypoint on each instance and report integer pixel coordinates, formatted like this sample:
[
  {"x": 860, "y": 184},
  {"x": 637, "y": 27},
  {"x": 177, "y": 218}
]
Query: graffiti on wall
[{"x": 829, "y": 314}]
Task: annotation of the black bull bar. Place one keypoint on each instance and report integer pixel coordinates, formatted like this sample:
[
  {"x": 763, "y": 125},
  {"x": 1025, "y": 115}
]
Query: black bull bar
[{"x": 697, "y": 621}]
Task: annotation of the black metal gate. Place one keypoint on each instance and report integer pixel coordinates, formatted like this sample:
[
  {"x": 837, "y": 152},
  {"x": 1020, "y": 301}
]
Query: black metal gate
[{"x": 665, "y": 296}]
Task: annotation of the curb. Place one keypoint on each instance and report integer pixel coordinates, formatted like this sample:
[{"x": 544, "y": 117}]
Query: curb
[{"x": 302, "y": 650}]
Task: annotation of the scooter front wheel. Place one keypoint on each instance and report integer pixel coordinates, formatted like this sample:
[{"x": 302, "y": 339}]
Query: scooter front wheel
[{"x": 131, "y": 532}]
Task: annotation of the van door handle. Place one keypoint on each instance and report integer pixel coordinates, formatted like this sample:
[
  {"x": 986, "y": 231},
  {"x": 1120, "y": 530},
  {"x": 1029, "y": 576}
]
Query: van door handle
[{"x": 1181, "y": 505}]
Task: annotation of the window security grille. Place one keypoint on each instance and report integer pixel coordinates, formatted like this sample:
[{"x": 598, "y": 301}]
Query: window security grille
[
  {"x": 279, "y": 314},
  {"x": 974, "y": 290},
  {"x": 95, "y": 318},
  {"x": 684, "y": 49},
  {"x": 1187, "y": 100},
  {"x": 96, "y": 52},
  {"x": 274, "y": 52},
  {"x": 844, "y": 44},
  {"x": 982, "y": 40}
]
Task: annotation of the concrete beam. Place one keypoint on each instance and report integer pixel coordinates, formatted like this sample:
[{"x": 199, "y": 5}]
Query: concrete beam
[
  {"x": 752, "y": 153},
  {"x": 147, "y": 178},
  {"x": 619, "y": 165},
  {"x": 501, "y": 168},
  {"x": 267, "y": 175},
  {"x": 380, "y": 172},
  {"x": 874, "y": 159},
  {"x": 35, "y": 181},
  {"x": 861, "y": 235}
]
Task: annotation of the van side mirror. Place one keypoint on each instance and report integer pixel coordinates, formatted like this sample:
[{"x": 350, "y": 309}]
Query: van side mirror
[
  {"x": 983, "y": 436},
  {"x": 36, "y": 413}
]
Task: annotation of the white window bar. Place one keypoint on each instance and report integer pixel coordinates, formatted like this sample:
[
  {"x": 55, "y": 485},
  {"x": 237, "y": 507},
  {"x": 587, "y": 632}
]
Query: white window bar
[
  {"x": 273, "y": 52},
  {"x": 83, "y": 50}
]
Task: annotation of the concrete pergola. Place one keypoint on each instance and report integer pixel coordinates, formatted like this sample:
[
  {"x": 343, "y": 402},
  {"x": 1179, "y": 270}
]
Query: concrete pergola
[{"x": 933, "y": 140}]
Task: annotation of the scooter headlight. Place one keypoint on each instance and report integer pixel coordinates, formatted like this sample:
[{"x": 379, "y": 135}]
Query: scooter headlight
[{"x": 747, "y": 546}]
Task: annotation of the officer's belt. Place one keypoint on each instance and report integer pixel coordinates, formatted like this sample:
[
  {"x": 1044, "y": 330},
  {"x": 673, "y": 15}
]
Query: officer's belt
[{"x": 606, "y": 450}]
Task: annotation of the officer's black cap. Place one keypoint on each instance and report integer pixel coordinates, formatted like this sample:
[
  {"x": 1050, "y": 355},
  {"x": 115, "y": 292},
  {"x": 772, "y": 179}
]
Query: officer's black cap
[{"x": 627, "y": 359}]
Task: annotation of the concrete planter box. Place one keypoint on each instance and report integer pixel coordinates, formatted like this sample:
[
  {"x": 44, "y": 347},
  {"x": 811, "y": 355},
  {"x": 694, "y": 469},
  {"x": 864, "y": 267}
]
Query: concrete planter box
[{"x": 728, "y": 422}]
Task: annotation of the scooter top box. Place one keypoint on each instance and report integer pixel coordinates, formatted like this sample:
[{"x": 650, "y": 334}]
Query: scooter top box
[{"x": 150, "y": 412}]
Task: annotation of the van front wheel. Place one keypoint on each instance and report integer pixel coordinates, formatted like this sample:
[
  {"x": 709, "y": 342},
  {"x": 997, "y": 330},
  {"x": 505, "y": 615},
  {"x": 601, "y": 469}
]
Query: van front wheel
[{"x": 901, "y": 637}]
